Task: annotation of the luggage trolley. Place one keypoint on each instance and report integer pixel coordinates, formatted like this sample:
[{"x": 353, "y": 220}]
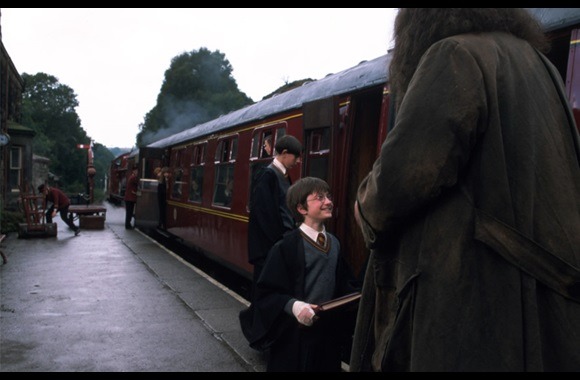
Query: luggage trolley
[{"x": 34, "y": 207}]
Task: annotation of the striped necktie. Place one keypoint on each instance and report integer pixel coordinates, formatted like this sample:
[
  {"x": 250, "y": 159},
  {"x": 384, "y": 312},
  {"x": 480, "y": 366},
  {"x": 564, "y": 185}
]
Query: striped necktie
[{"x": 321, "y": 240}]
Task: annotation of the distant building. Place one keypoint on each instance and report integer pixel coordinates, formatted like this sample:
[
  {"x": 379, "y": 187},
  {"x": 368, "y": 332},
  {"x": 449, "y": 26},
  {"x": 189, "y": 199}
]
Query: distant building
[
  {"x": 40, "y": 173},
  {"x": 19, "y": 164},
  {"x": 15, "y": 139}
]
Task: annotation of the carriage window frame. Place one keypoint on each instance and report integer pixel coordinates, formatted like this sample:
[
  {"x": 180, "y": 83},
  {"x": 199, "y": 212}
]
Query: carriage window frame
[
  {"x": 224, "y": 160},
  {"x": 257, "y": 158},
  {"x": 178, "y": 181},
  {"x": 197, "y": 172},
  {"x": 318, "y": 152}
]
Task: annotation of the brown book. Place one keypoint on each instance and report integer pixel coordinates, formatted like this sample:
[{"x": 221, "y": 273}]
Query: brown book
[{"x": 347, "y": 301}]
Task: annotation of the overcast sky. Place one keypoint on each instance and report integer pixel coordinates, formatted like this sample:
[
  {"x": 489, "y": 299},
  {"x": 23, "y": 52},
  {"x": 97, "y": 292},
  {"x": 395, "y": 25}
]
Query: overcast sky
[{"x": 115, "y": 59}]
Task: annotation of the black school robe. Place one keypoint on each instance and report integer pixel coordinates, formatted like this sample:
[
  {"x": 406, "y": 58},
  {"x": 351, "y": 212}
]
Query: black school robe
[
  {"x": 269, "y": 216},
  {"x": 294, "y": 347}
]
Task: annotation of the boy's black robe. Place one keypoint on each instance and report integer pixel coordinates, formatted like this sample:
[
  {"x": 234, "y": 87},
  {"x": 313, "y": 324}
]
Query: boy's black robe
[{"x": 294, "y": 347}]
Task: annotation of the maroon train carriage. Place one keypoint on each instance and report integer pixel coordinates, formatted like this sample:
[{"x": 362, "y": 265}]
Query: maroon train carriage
[
  {"x": 336, "y": 118},
  {"x": 117, "y": 179},
  {"x": 341, "y": 121}
]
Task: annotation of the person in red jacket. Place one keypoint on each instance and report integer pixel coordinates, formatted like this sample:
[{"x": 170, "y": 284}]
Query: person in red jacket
[
  {"x": 131, "y": 197},
  {"x": 60, "y": 203}
]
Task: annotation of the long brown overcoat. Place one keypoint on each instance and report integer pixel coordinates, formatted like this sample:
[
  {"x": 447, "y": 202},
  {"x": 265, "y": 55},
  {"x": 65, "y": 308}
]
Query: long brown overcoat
[{"x": 473, "y": 214}]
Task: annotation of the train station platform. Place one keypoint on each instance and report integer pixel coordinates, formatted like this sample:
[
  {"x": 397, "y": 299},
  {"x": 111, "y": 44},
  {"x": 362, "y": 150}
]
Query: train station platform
[{"x": 114, "y": 300}]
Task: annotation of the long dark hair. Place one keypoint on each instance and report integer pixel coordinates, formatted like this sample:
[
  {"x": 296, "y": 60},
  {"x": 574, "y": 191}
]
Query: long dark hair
[{"x": 416, "y": 29}]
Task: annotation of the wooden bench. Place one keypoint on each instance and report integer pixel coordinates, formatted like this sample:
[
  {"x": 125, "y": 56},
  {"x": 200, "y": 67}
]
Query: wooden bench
[
  {"x": 4, "y": 259},
  {"x": 91, "y": 217}
]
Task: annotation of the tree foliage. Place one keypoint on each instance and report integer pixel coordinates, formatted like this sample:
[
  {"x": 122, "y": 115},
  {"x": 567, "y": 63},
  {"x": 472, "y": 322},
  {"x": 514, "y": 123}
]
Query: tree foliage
[
  {"x": 288, "y": 87},
  {"x": 198, "y": 87},
  {"x": 48, "y": 107}
]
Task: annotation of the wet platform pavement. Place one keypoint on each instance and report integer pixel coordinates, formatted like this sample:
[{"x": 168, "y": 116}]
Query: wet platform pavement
[{"x": 114, "y": 300}]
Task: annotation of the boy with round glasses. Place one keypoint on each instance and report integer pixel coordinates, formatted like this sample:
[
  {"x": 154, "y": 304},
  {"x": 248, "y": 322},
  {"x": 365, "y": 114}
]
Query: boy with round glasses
[{"x": 300, "y": 272}]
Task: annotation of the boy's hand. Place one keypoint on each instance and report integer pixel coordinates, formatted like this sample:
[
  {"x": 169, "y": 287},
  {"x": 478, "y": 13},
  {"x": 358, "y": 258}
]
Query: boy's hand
[{"x": 303, "y": 313}]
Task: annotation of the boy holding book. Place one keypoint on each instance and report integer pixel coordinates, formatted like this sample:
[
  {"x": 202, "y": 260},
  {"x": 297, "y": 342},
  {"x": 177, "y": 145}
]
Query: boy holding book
[{"x": 302, "y": 270}]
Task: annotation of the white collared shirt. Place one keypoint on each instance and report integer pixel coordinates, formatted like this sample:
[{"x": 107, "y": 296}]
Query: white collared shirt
[
  {"x": 311, "y": 232},
  {"x": 279, "y": 165}
]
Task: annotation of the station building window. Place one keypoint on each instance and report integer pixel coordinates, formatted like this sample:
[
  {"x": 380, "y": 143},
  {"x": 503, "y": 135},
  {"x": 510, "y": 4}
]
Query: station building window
[{"x": 15, "y": 168}]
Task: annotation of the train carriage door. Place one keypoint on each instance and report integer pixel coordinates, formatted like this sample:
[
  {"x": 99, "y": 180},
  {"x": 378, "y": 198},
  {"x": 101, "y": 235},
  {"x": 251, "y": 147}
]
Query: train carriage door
[
  {"x": 318, "y": 122},
  {"x": 147, "y": 207},
  {"x": 225, "y": 158},
  {"x": 360, "y": 132}
]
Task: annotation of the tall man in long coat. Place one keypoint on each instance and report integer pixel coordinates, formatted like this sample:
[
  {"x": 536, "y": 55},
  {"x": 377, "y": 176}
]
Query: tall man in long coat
[
  {"x": 472, "y": 208},
  {"x": 270, "y": 217}
]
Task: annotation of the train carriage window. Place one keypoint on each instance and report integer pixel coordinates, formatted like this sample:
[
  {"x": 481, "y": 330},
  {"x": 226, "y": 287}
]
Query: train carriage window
[
  {"x": 264, "y": 140},
  {"x": 224, "y": 176},
  {"x": 227, "y": 150},
  {"x": 261, "y": 155},
  {"x": 267, "y": 147},
  {"x": 199, "y": 154},
  {"x": 197, "y": 173},
  {"x": 179, "y": 182},
  {"x": 263, "y": 144},
  {"x": 317, "y": 152}
]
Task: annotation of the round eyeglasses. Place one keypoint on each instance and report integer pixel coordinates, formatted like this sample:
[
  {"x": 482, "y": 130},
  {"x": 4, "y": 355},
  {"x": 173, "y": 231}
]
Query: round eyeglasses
[{"x": 321, "y": 197}]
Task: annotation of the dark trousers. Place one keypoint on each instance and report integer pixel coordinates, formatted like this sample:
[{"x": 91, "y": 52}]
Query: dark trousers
[
  {"x": 64, "y": 215},
  {"x": 129, "y": 210}
]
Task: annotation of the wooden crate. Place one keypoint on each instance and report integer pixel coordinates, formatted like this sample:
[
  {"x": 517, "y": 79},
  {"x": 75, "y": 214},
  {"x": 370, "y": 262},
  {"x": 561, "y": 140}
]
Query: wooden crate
[{"x": 92, "y": 222}]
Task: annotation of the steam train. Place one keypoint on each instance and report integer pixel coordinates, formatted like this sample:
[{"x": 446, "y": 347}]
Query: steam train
[
  {"x": 341, "y": 120},
  {"x": 117, "y": 179}
]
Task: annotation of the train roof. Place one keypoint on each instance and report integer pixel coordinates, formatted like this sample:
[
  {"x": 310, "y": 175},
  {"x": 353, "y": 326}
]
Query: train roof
[
  {"x": 363, "y": 75},
  {"x": 556, "y": 18}
]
